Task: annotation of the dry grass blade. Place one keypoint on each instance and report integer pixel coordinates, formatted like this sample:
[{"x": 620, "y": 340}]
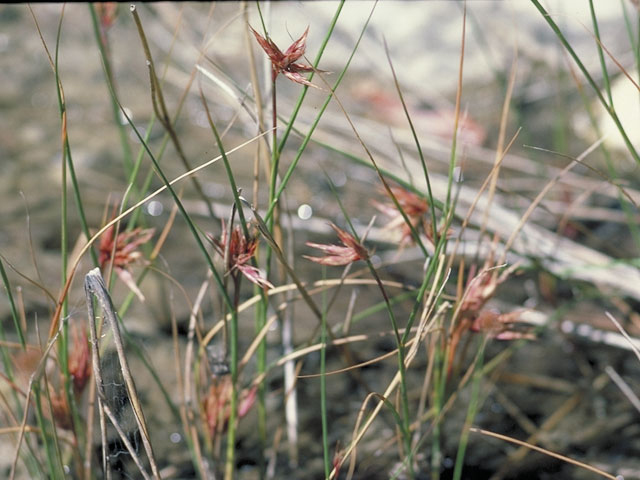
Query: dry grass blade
[
  {"x": 95, "y": 287},
  {"x": 545, "y": 452},
  {"x": 633, "y": 344},
  {"x": 160, "y": 108},
  {"x": 35, "y": 377},
  {"x": 500, "y": 150},
  {"x": 623, "y": 386}
]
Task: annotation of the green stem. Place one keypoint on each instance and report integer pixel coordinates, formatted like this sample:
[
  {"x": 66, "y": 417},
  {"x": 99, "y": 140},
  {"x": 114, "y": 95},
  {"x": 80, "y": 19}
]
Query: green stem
[
  {"x": 16, "y": 322},
  {"x": 229, "y": 467},
  {"x": 589, "y": 78},
  {"x": 323, "y": 383},
  {"x": 305, "y": 89},
  {"x": 106, "y": 62},
  {"x": 406, "y": 430},
  {"x": 471, "y": 414},
  {"x": 439, "y": 372},
  {"x": 307, "y": 137}
]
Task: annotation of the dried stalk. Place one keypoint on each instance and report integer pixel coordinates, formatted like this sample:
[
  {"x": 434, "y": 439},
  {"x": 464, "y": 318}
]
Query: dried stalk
[{"x": 94, "y": 287}]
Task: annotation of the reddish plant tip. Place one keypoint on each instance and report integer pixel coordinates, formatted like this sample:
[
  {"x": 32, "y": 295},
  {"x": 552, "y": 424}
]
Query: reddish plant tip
[
  {"x": 499, "y": 325},
  {"x": 482, "y": 287},
  {"x": 79, "y": 360},
  {"x": 123, "y": 252},
  {"x": 217, "y": 408},
  {"x": 241, "y": 250},
  {"x": 414, "y": 207},
  {"x": 285, "y": 63},
  {"x": 107, "y": 12},
  {"x": 336, "y": 255}
]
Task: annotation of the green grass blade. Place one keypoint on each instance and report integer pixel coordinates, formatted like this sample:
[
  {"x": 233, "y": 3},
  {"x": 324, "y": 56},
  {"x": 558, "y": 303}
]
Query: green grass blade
[
  {"x": 14, "y": 316},
  {"x": 108, "y": 72},
  {"x": 307, "y": 137},
  {"x": 472, "y": 410},
  {"x": 589, "y": 78},
  {"x": 303, "y": 93}
]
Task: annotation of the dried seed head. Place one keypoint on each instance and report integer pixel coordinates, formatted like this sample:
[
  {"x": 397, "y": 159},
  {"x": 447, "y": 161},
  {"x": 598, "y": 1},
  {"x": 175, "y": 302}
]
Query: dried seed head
[
  {"x": 336, "y": 255},
  {"x": 239, "y": 250},
  {"x": 285, "y": 63}
]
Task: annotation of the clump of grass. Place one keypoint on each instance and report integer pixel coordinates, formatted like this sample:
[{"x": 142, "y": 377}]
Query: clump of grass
[{"x": 431, "y": 295}]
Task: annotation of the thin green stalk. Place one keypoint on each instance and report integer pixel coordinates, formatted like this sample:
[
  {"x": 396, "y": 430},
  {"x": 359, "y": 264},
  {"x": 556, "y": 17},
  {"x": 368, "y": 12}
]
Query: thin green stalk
[
  {"x": 230, "y": 458},
  {"x": 63, "y": 349},
  {"x": 261, "y": 367},
  {"x": 323, "y": 383},
  {"x": 406, "y": 430},
  {"x": 16, "y": 322},
  {"x": 261, "y": 319},
  {"x": 589, "y": 78},
  {"x": 626, "y": 207},
  {"x": 439, "y": 378},
  {"x": 316, "y": 62},
  {"x": 471, "y": 413},
  {"x": 422, "y": 161},
  {"x": 52, "y": 453},
  {"x": 160, "y": 109},
  {"x": 385, "y": 173},
  {"x": 233, "y": 330},
  {"x": 454, "y": 139},
  {"x": 67, "y": 162},
  {"x": 274, "y": 196},
  {"x": 65, "y": 138},
  {"x": 440, "y": 356},
  {"x": 261, "y": 312},
  {"x": 106, "y": 62},
  {"x": 229, "y": 466},
  {"x": 232, "y": 182},
  {"x": 405, "y": 426},
  {"x": 307, "y": 137},
  {"x": 275, "y": 152}
]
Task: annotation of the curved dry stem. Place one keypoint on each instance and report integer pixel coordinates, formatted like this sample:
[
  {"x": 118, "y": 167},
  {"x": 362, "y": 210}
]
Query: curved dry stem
[
  {"x": 540, "y": 196},
  {"x": 543, "y": 451}
]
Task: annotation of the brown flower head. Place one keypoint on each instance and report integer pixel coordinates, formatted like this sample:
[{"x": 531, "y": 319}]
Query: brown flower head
[
  {"x": 338, "y": 459},
  {"x": 79, "y": 360},
  {"x": 60, "y": 408},
  {"x": 481, "y": 288},
  {"x": 123, "y": 251},
  {"x": 414, "y": 207},
  {"x": 285, "y": 63},
  {"x": 499, "y": 325},
  {"x": 216, "y": 404},
  {"x": 474, "y": 317},
  {"x": 241, "y": 251},
  {"x": 107, "y": 12},
  {"x": 336, "y": 255}
]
